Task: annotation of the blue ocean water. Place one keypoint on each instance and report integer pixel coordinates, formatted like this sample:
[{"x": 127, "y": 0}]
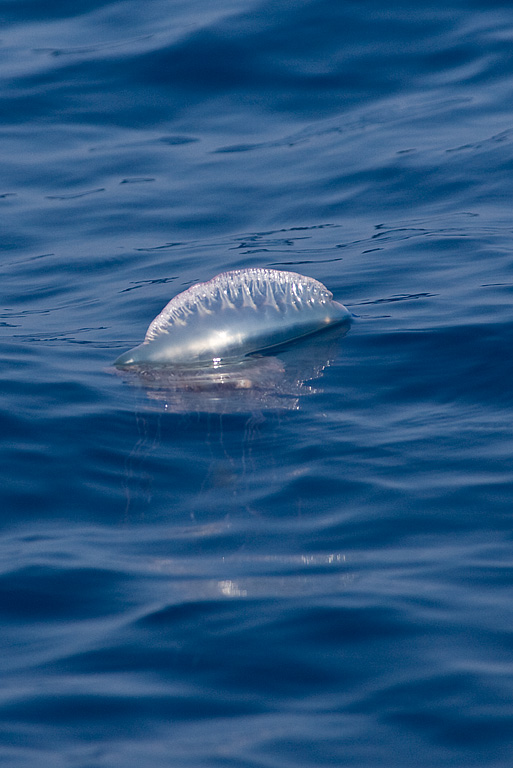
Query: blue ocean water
[{"x": 315, "y": 571}]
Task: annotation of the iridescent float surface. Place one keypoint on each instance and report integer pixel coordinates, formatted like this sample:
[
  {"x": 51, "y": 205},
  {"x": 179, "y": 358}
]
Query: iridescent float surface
[{"x": 235, "y": 314}]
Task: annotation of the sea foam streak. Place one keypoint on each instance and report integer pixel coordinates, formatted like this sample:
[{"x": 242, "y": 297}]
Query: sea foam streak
[{"x": 235, "y": 314}]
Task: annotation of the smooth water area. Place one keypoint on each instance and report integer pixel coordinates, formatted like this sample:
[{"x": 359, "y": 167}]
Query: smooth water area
[{"x": 313, "y": 569}]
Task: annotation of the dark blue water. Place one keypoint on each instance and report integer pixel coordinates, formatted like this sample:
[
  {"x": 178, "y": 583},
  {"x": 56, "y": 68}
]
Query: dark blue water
[{"x": 317, "y": 571}]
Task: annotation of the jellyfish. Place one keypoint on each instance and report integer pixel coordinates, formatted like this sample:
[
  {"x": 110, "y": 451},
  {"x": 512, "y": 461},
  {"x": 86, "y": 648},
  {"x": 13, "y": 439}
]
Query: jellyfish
[
  {"x": 236, "y": 314},
  {"x": 246, "y": 343}
]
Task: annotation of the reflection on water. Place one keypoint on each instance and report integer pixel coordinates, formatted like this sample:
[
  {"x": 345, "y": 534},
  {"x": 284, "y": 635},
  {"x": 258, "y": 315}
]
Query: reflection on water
[
  {"x": 219, "y": 458},
  {"x": 255, "y": 383},
  {"x": 257, "y": 576}
]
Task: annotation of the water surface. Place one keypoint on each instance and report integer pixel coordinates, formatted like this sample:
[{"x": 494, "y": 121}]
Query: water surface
[{"x": 316, "y": 577}]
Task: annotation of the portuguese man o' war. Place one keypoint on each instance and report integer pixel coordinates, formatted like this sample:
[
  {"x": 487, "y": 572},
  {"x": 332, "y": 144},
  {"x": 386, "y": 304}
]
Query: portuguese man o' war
[{"x": 236, "y": 314}]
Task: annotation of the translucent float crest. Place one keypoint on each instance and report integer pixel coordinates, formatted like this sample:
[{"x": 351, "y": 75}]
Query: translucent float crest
[{"x": 235, "y": 314}]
